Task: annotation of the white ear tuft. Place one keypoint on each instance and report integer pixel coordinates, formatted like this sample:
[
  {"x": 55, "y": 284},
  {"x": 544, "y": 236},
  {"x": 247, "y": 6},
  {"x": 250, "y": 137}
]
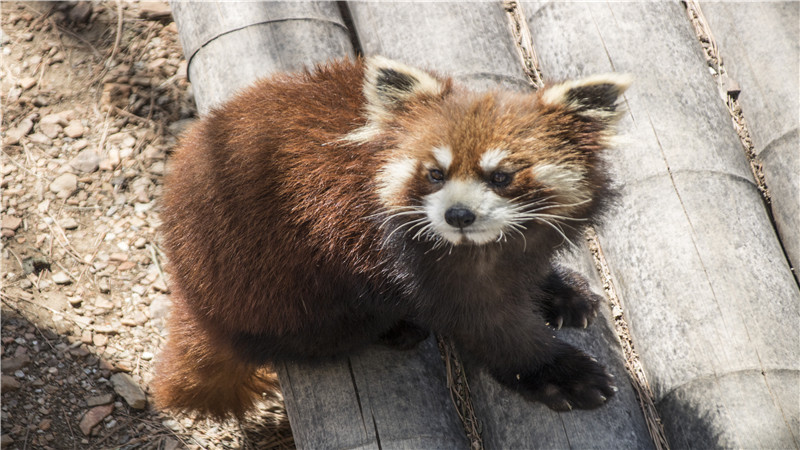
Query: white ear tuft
[
  {"x": 595, "y": 96},
  {"x": 388, "y": 86}
]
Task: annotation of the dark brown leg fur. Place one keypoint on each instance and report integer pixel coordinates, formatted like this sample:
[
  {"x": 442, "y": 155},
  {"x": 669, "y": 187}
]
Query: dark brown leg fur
[
  {"x": 404, "y": 336},
  {"x": 570, "y": 301},
  {"x": 199, "y": 373}
]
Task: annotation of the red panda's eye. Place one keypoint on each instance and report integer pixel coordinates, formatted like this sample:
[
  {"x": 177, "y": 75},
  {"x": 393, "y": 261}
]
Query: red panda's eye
[
  {"x": 436, "y": 175},
  {"x": 500, "y": 179}
]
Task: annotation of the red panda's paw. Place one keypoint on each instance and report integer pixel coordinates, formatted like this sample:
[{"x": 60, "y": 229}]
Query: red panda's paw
[
  {"x": 404, "y": 336},
  {"x": 574, "y": 380},
  {"x": 577, "y": 382},
  {"x": 570, "y": 301}
]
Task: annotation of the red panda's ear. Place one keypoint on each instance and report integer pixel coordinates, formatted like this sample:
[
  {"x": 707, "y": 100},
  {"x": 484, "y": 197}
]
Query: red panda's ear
[
  {"x": 388, "y": 87},
  {"x": 389, "y": 84},
  {"x": 596, "y": 96}
]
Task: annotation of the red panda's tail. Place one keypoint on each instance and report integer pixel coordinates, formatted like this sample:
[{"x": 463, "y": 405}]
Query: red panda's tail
[{"x": 197, "y": 373}]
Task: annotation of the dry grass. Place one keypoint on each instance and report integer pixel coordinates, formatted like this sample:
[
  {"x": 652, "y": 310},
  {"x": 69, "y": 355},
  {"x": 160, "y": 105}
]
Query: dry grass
[
  {"x": 459, "y": 392},
  {"x": 728, "y": 90},
  {"x": 641, "y": 387}
]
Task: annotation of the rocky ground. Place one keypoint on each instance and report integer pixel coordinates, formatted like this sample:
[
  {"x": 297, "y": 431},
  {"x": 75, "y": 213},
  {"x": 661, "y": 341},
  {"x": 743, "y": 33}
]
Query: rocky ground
[{"x": 94, "y": 96}]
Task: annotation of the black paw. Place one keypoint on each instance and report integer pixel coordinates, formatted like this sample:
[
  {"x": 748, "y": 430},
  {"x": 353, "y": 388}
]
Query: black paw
[
  {"x": 571, "y": 302},
  {"x": 576, "y": 381},
  {"x": 403, "y": 336}
]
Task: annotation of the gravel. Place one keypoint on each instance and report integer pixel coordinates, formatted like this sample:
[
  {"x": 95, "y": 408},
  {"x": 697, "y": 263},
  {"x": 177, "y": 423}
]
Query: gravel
[{"x": 84, "y": 299}]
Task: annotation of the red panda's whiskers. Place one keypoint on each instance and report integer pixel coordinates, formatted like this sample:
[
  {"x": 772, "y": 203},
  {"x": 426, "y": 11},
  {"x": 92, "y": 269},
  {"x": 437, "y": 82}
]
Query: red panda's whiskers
[
  {"x": 518, "y": 228},
  {"x": 411, "y": 223},
  {"x": 555, "y": 227},
  {"x": 417, "y": 223}
]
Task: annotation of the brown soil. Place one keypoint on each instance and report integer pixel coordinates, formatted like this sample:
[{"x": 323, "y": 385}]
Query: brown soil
[{"x": 94, "y": 96}]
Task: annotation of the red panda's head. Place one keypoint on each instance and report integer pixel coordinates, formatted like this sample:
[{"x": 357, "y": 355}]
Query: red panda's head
[{"x": 476, "y": 168}]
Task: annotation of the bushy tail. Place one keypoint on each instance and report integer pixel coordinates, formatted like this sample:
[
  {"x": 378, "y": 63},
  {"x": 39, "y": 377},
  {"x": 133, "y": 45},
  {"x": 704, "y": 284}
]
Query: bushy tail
[{"x": 197, "y": 373}]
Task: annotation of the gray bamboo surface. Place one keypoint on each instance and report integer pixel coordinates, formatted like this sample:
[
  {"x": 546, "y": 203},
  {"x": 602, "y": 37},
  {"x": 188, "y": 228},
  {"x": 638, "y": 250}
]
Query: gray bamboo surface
[
  {"x": 230, "y": 44},
  {"x": 376, "y": 399},
  {"x": 760, "y": 47},
  {"x": 473, "y": 42},
  {"x": 711, "y": 302},
  {"x": 511, "y": 422}
]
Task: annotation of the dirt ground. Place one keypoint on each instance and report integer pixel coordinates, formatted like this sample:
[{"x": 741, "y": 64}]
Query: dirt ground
[{"x": 94, "y": 96}]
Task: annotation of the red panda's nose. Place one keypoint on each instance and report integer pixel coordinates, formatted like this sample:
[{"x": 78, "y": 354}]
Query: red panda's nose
[{"x": 458, "y": 216}]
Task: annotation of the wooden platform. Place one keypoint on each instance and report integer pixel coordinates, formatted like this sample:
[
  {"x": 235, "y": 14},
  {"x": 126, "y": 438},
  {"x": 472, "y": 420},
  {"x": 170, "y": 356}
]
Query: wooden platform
[{"x": 704, "y": 277}]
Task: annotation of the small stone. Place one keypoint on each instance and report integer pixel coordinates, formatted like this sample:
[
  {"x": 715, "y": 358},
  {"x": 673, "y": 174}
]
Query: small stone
[
  {"x": 93, "y": 417},
  {"x": 98, "y": 400},
  {"x": 51, "y": 125},
  {"x": 80, "y": 144},
  {"x": 40, "y": 100},
  {"x": 6, "y": 440},
  {"x": 15, "y": 363},
  {"x": 127, "y": 265},
  {"x": 103, "y": 303},
  {"x": 81, "y": 12},
  {"x": 39, "y": 138},
  {"x": 27, "y": 83},
  {"x": 140, "y": 243},
  {"x": 154, "y": 10},
  {"x": 159, "y": 307},
  {"x": 68, "y": 223},
  {"x": 118, "y": 257},
  {"x": 9, "y": 384},
  {"x": 87, "y": 161},
  {"x": 86, "y": 336},
  {"x": 126, "y": 387},
  {"x": 61, "y": 278},
  {"x": 66, "y": 183},
  {"x": 147, "y": 356},
  {"x": 45, "y": 424},
  {"x": 61, "y": 325},
  {"x": 105, "y": 329},
  {"x": 99, "y": 340},
  {"x": 124, "y": 366},
  {"x": 54, "y": 118},
  {"x": 11, "y": 222},
  {"x": 75, "y": 129},
  {"x": 15, "y": 134},
  {"x": 157, "y": 168},
  {"x": 160, "y": 286}
]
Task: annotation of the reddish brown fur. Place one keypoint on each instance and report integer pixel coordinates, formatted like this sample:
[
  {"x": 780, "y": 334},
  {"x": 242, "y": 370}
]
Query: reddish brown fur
[
  {"x": 271, "y": 225},
  {"x": 219, "y": 185},
  {"x": 199, "y": 372}
]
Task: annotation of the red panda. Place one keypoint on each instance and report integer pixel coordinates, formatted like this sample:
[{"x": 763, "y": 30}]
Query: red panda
[{"x": 367, "y": 201}]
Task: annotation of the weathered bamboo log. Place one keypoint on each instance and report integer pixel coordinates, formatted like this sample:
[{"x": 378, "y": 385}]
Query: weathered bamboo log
[
  {"x": 711, "y": 302},
  {"x": 760, "y": 48},
  {"x": 473, "y": 42},
  {"x": 377, "y": 399}
]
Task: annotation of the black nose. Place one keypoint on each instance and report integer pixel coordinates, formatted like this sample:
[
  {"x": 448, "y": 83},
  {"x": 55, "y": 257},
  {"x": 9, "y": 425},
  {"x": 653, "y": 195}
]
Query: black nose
[{"x": 458, "y": 216}]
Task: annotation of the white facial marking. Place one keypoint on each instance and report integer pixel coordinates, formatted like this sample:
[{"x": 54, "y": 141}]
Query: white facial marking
[
  {"x": 444, "y": 156},
  {"x": 491, "y": 211},
  {"x": 492, "y": 158},
  {"x": 393, "y": 177},
  {"x": 567, "y": 180}
]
